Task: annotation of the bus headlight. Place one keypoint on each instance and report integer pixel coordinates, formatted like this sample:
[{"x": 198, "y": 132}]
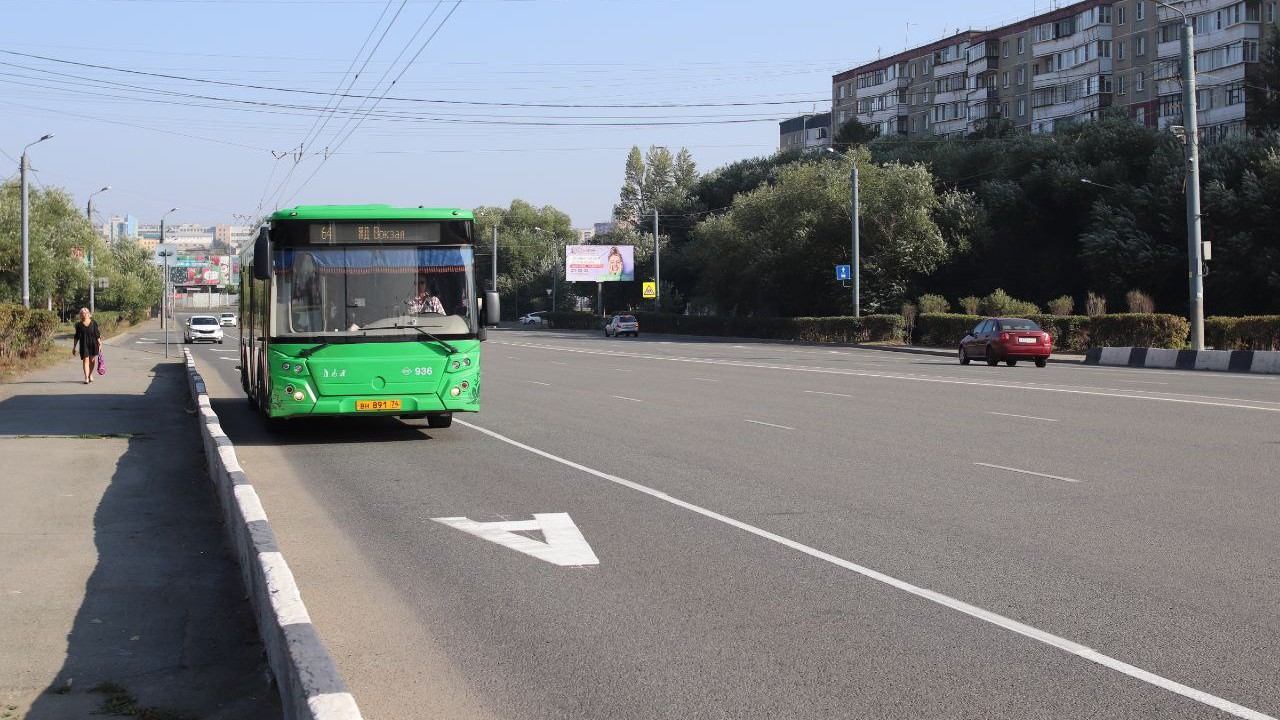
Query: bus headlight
[
  {"x": 298, "y": 396},
  {"x": 456, "y": 365},
  {"x": 455, "y": 392}
]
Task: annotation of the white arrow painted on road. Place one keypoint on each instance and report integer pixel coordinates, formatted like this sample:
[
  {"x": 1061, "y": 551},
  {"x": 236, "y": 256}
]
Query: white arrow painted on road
[{"x": 564, "y": 542}]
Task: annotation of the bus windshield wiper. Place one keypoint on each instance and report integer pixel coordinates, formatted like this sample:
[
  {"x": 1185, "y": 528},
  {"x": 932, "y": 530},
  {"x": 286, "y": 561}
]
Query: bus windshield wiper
[
  {"x": 450, "y": 348},
  {"x": 312, "y": 350}
]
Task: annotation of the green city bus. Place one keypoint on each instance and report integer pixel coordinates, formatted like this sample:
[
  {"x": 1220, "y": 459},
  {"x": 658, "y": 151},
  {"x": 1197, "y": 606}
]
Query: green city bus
[{"x": 362, "y": 310}]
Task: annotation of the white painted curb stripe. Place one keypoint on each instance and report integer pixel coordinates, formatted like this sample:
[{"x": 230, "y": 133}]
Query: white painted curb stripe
[
  {"x": 250, "y": 504},
  {"x": 284, "y": 592},
  {"x": 334, "y": 705},
  {"x": 958, "y": 605}
]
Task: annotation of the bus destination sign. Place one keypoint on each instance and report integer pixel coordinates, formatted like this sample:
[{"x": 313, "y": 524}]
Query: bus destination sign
[{"x": 367, "y": 233}]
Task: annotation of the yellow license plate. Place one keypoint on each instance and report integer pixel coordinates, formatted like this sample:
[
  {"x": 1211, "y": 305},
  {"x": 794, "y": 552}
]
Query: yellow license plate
[{"x": 377, "y": 405}]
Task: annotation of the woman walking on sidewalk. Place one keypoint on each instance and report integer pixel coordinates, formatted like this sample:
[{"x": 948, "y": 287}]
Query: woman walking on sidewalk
[{"x": 90, "y": 342}]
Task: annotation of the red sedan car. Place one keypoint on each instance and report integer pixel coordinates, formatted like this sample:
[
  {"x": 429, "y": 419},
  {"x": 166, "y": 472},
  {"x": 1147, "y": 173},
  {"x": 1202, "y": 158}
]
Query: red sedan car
[{"x": 1007, "y": 339}]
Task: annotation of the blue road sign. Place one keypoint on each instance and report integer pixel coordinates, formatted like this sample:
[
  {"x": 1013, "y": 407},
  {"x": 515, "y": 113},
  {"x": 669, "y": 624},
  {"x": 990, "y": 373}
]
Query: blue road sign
[{"x": 844, "y": 272}]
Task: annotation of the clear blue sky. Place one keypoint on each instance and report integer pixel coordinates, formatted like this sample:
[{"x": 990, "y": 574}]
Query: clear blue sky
[{"x": 208, "y": 148}]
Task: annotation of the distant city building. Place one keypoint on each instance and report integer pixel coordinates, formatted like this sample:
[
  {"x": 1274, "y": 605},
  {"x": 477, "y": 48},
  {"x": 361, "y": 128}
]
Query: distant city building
[
  {"x": 603, "y": 227},
  {"x": 585, "y": 235},
  {"x": 121, "y": 228},
  {"x": 805, "y": 132},
  {"x": 1066, "y": 65}
]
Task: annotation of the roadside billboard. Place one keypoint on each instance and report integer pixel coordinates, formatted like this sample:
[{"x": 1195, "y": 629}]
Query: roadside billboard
[{"x": 599, "y": 263}]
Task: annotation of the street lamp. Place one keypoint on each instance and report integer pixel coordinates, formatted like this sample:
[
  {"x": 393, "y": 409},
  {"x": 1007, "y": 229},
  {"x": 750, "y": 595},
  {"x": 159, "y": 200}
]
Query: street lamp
[
  {"x": 88, "y": 211},
  {"x": 26, "y": 244},
  {"x": 555, "y": 270},
  {"x": 1087, "y": 181},
  {"x": 853, "y": 224},
  {"x": 1191, "y": 146},
  {"x": 164, "y": 299}
]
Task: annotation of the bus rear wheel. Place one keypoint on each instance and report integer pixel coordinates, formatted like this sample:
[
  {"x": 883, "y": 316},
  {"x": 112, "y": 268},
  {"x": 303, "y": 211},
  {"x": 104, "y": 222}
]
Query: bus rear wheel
[{"x": 439, "y": 420}]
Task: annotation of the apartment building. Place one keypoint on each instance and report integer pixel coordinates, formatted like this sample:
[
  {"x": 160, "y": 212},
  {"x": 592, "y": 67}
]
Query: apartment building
[
  {"x": 1065, "y": 65},
  {"x": 805, "y": 132}
]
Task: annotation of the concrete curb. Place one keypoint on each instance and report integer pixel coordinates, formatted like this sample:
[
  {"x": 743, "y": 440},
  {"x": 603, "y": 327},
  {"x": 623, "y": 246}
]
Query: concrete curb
[
  {"x": 309, "y": 683},
  {"x": 1241, "y": 361}
]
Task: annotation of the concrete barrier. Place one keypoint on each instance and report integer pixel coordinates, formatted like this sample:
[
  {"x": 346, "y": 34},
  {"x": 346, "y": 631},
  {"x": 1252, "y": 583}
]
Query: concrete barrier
[
  {"x": 309, "y": 683},
  {"x": 1246, "y": 361}
]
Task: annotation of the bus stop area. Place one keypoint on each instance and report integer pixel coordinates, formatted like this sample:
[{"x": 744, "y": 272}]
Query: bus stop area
[{"x": 118, "y": 590}]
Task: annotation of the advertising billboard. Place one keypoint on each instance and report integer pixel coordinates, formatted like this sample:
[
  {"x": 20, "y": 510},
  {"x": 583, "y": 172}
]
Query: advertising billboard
[{"x": 599, "y": 263}]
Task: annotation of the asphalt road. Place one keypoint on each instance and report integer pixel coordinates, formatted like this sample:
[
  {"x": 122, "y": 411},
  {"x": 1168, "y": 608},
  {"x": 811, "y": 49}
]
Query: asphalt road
[{"x": 790, "y": 531}]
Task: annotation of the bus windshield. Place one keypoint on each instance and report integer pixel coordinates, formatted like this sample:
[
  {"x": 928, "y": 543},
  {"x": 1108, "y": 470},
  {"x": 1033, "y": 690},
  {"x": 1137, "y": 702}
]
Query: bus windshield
[{"x": 373, "y": 292}]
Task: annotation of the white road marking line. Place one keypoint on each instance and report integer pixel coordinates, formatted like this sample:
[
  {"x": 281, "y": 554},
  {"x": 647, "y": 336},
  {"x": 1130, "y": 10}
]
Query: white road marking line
[
  {"x": 819, "y": 392},
  {"x": 1115, "y": 392},
  {"x": 557, "y": 362},
  {"x": 1140, "y": 382},
  {"x": 706, "y": 379},
  {"x": 1028, "y": 472},
  {"x": 996, "y": 619},
  {"x": 1025, "y": 417},
  {"x": 535, "y": 382},
  {"x": 623, "y": 370},
  {"x": 231, "y": 359},
  {"x": 757, "y": 422},
  {"x": 620, "y": 397}
]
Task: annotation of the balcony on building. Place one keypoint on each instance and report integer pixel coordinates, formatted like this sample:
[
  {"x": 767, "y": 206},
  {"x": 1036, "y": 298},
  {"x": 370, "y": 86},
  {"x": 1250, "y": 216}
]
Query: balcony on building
[{"x": 983, "y": 56}]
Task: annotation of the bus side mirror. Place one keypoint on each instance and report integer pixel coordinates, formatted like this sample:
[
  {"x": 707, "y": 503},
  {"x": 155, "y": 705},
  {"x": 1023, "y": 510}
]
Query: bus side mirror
[
  {"x": 491, "y": 310},
  {"x": 262, "y": 256}
]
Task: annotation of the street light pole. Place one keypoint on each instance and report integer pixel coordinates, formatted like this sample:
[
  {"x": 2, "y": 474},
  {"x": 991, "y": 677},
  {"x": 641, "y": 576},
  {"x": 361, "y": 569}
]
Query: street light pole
[
  {"x": 164, "y": 299},
  {"x": 853, "y": 212},
  {"x": 88, "y": 211},
  {"x": 657, "y": 264},
  {"x": 1191, "y": 147},
  {"x": 26, "y": 243},
  {"x": 854, "y": 250}
]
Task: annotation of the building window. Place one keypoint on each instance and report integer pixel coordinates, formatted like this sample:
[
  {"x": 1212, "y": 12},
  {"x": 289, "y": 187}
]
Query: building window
[
  {"x": 1004, "y": 110},
  {"x": 1006, "y": 79},
  {"x": 1022, "y": 75},
  {"x": 1022, "y": 108},
  {"x": 1022, "y": 44},
  {"x": 1139, "y": 82},
  {"x": 1004, "y": 48},
  {"x": 1140, "y": 115},
  {"x": 1271, "y": 12},
  {"x": 1120, "y": 84},
  {"x": 1140, "y": 10},
  {"x": 1119, "y": 14},
  {"x": 1235, "y": 94},
  {"x": 1119, "y": 49},
  {"x": 1140, "y": 46}
]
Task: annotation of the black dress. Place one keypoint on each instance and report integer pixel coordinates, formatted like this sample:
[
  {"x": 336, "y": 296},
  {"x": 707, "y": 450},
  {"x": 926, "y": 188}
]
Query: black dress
[{"x": 87, "y": 338}]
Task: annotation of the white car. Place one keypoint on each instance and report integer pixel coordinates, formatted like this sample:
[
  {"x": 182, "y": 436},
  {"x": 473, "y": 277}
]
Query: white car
[
  {"x": 619, "y": 325},
  {"x": 203, "y": 328},
  {"x": 533, "y": 318},
  {"x": 227, "y": 319}
]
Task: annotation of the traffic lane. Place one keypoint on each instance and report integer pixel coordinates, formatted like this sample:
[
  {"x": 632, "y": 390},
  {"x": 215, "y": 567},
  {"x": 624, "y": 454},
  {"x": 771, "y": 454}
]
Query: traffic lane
[
  {"x": 390, "y": 659},
  {"x": 1096, "y": 544},
  {"x": 644, "y": 634},
  {"x": 1202, "y": 383}
]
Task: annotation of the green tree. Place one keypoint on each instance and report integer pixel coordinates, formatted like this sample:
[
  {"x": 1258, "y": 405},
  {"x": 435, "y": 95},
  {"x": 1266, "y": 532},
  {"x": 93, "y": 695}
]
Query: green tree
[
  {"x": 531, "y": 244},
  {"x": 134, "y": 281},
  {"x": 657, "y": 180},
  {"x": 1262, "y": 86},
  {"x": 854, "y": 133},
  {"x": 773, "y": 252},
  {"x": 58, "y": 237}
]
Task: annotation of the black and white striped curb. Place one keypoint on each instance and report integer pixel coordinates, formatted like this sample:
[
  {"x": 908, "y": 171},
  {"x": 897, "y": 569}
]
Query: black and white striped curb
[
  {"x": 310, "y": 686},
  {"x": 1245, "y": 361}
]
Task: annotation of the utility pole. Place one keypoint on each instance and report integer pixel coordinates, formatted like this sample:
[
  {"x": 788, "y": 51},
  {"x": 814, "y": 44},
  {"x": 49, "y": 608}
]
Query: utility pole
[
  {"x": 853, "y": 212},
  {"x": 1191, "y": 148},
  {"x": 657, "y": 264},
  {"x": 164, "y": 300},
  {"x": 93, "y": 281},
  {"x": 26, "y": 213}
]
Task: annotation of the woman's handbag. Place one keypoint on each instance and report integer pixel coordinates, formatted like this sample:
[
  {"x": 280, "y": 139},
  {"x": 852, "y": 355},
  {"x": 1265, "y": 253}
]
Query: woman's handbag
[{"x": 102, "y": 364}]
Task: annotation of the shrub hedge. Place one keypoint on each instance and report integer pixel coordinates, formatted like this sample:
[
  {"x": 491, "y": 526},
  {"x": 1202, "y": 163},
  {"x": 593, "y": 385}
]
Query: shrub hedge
[
  {"x": 1069, "y": 332},
  {"x": 1258, "y": 332},
  {"x": 24, "y": 332}
]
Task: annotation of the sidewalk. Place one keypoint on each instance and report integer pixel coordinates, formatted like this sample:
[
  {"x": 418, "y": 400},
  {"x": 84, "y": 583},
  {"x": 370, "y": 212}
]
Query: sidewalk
[{"x": 115, "y": 572}]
